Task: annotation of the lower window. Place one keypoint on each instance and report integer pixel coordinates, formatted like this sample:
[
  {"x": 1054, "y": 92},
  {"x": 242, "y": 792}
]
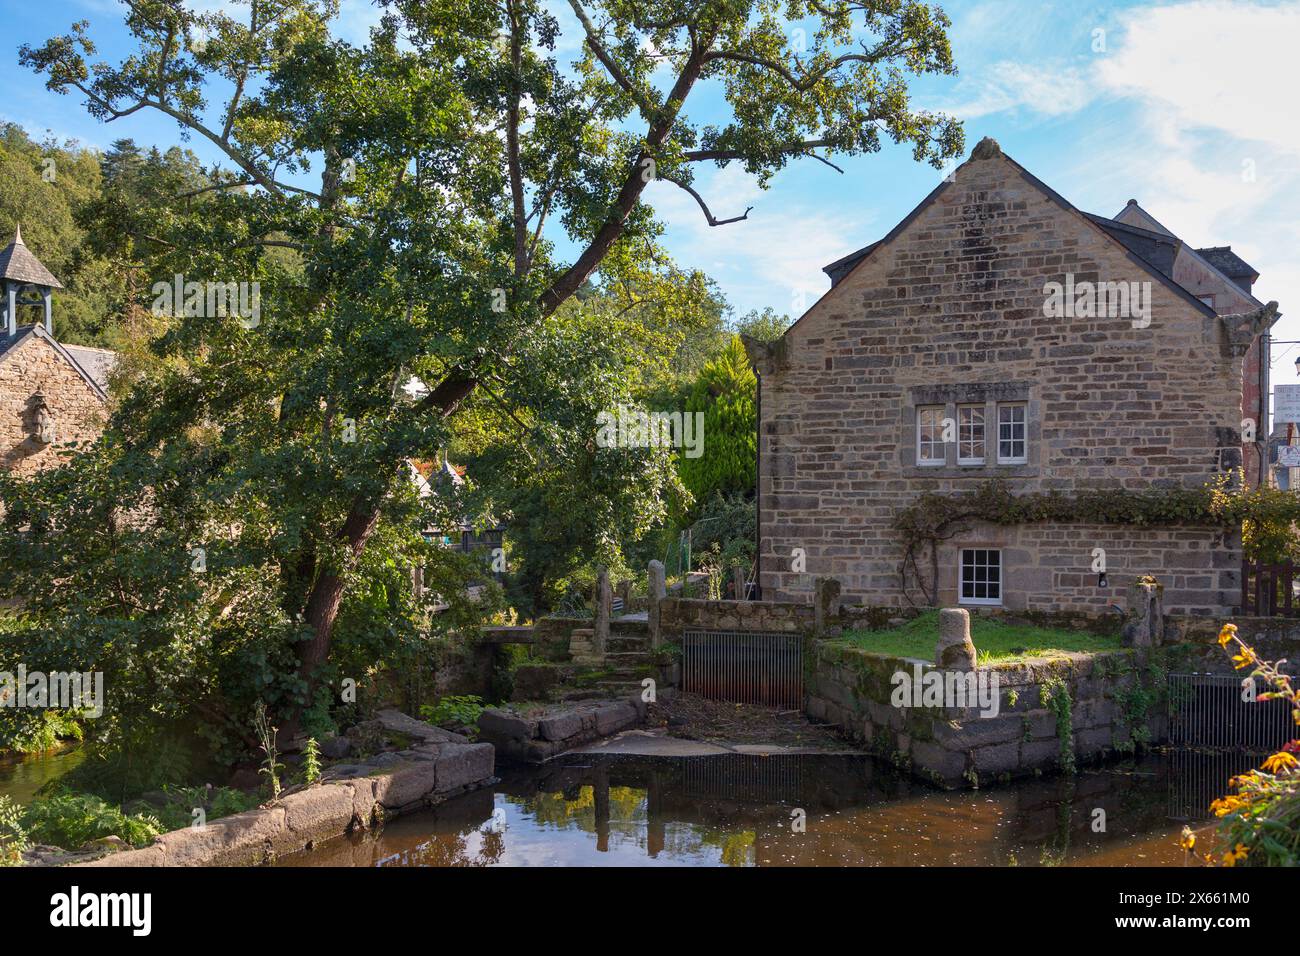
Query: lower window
[{"x": 981, "y": 576}]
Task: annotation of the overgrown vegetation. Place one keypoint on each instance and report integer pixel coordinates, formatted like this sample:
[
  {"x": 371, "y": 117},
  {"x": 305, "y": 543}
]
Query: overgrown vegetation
[
  {"x": 71, "y": 820},
  {"x": 454, "y": 711},
  {"x": 1054, "y": 694},
  {"x": 13, "y": 838}
]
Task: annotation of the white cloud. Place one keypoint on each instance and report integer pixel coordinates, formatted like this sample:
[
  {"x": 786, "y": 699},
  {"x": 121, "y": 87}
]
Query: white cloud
[
  {"x": 1006, "y": 85},
  {"x": 1216, "y": 155},
  {"x": 1223, "y": 65}
]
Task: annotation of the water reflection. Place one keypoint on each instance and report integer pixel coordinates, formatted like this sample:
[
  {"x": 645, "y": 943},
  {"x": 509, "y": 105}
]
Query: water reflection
[
  {"x": 736, "y": 811},
  {"x": 22, "y": 776}
]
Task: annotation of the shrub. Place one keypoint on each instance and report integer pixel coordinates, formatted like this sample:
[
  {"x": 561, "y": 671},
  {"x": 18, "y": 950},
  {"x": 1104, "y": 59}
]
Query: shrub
[
  {"x": 454, "y": 711},
  {"x": 216, "y": 802},
  {"x": 13, "y": 838},
  {"x": 71, "y": 820}
]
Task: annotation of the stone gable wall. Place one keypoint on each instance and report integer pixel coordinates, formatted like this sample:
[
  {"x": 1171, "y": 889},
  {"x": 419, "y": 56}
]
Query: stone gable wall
[
  {"x": 77, "y": 410},
  {"x": 956, "y": 301}
]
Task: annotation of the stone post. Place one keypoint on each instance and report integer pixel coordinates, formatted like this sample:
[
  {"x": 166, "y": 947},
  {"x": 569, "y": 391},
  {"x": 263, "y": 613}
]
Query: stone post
[
  {"x": 656, "y": 593},
  {"x": 955, "y": 650},
  {"x": 625, "y": 594},
  {"x": 604, "y": 604},
  {"x": 1146, "y": 613},
  {"x": 826, "y": 606}
]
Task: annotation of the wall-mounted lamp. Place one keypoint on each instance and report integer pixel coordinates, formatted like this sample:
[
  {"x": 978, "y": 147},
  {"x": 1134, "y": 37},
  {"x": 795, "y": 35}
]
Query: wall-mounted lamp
[{"x": 1101, "y": 580}]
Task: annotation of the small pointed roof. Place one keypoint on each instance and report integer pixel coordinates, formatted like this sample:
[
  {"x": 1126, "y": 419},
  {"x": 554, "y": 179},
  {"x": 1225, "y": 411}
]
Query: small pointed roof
[{"x": 17, "y": 264}]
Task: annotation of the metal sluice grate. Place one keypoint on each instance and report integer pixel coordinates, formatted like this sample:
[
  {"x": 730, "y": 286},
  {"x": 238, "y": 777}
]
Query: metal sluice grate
[
  {"x": 1207, "y": 710},
  {"x": 744, "y": 667}
]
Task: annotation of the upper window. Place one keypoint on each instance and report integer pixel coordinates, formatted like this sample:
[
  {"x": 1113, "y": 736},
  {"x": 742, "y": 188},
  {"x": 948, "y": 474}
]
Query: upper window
[
  {"x": 929, "y": 436},
  {"x": 1012, "y": 440},
  {"x": 981, "y": 576},
  {"x": 970, "y": 434}
]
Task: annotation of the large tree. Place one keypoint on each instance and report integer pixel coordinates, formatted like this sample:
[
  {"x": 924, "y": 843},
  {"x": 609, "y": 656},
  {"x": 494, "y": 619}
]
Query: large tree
[{"x": 421, "y": 182}]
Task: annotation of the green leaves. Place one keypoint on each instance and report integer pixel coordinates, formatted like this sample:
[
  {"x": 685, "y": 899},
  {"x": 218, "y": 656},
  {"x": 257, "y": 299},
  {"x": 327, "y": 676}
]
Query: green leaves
[{"x": 725, "y": 392}]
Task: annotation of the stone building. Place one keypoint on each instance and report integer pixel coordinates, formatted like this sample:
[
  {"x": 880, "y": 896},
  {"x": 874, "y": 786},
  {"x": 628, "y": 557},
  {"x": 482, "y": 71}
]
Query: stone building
[
  {"x": 51, "y": 394},
  {"x": 999, "y": 332}
]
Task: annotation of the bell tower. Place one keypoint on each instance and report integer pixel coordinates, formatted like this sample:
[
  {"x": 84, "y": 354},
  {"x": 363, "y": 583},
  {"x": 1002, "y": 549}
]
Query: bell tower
[{"x": 25, "y": 281}]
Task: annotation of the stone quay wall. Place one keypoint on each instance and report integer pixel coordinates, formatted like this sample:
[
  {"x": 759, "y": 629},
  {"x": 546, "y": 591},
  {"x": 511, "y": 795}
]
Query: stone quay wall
[
  {"x": 537, "y": 738},
  {"x": 1049, "y": 713},
  {"x": 437, "y": 767}
]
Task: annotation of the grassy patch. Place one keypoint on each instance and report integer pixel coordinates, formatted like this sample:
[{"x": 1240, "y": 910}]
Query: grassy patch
[{"x": 995, "y": 640}]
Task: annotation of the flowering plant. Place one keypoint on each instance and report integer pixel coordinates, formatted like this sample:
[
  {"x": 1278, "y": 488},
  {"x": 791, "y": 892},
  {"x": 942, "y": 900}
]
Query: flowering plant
[{"x": 1259, "y": 824}]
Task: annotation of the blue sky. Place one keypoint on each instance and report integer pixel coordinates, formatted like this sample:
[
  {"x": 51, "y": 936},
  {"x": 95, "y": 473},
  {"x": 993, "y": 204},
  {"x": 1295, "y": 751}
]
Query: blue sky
[{"x": 1186, "y": 106}]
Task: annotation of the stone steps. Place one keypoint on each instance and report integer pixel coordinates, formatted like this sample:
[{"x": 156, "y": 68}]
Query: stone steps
[{"x": 622, "y": 644}]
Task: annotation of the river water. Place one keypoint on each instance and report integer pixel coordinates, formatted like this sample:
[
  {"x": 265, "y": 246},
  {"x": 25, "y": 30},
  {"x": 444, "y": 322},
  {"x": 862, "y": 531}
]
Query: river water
[
  {"x": 21, "y": 777},
  {"x": 787, "y": 810}
]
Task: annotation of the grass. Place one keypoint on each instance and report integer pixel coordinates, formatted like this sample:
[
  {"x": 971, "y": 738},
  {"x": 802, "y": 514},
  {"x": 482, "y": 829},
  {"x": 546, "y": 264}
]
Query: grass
[{"x": 995, "y": 640}]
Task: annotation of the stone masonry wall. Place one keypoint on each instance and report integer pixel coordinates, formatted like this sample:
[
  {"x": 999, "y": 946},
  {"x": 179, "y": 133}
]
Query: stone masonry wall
[
  {"x": 1047, "y": 566},
  {"x": 1115, "y": 702},
  {"x": 77, "y": 410},
  {"x": 952, "y": 307}
]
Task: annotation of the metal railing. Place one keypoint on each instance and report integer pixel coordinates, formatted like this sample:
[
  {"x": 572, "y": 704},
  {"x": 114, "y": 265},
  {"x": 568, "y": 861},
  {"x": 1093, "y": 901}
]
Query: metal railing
[
  {"x": 748, "y": 668},
  {"x": 1209, "y": 710}
]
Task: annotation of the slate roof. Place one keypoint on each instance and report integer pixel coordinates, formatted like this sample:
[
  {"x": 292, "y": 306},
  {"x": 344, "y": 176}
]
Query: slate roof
[
  {"x": 97, "y": 363},
  {"x": 1158, "y": 249},
  {"x": 1230, "y": 264},
  {"x": 1242, "y": 280},
  {"x": 18, "y": 264}
]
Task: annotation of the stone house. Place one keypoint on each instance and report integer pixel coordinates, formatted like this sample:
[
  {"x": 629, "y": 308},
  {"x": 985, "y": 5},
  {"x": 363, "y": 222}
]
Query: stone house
[
  {"x": 1000, "y": 333},
  {"x": 51, "y": 394}
]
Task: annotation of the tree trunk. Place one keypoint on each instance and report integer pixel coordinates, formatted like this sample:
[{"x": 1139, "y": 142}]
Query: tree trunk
[{"x": 327, "y": 593}]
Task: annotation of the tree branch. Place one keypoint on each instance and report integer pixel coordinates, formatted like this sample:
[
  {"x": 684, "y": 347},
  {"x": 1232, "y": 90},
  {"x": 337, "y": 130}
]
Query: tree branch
[
  {"x": 512, "y": 145},
  {"x": 572, "y": 279},
  {"x": 726, "y": 155},
  {"x": 682, "y": 184},
  {"x": 648, "y": 109}
]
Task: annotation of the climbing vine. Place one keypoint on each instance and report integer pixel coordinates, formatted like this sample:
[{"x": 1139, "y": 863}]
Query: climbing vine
[
  {"x": 935, "y": 517},
  {"x": 1054, "y": 694}
]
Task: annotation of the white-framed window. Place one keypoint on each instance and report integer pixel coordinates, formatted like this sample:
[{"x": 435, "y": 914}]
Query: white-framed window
[
  {"x": 1012, "y": 434},
  {"x": 929, "y": 436},
  {"x": 981, "y": 576},
  {"x": 970, "y": 434}
]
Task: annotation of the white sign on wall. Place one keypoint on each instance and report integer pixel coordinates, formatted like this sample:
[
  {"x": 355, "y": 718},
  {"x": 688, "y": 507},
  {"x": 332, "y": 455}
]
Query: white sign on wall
[
  {"x": 1288, "y": 456},
  {"x": 1286, "y": 404}
]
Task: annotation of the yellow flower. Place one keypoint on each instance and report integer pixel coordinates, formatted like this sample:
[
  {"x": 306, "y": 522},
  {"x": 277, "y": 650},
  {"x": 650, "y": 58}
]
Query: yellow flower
[
  {"x": 1225, "y": 805},
  {"x": 1232, "y": 856},
  {"x": 1228, "y": 632},
  {"x": 1281, "y": 761},
  {"x": 1244, "y": 659},
  {"x": 1187, "y": 840}
]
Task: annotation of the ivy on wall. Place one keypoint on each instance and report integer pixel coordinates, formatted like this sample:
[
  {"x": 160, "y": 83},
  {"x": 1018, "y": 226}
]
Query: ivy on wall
[{"x": 1222, "y": 501}]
